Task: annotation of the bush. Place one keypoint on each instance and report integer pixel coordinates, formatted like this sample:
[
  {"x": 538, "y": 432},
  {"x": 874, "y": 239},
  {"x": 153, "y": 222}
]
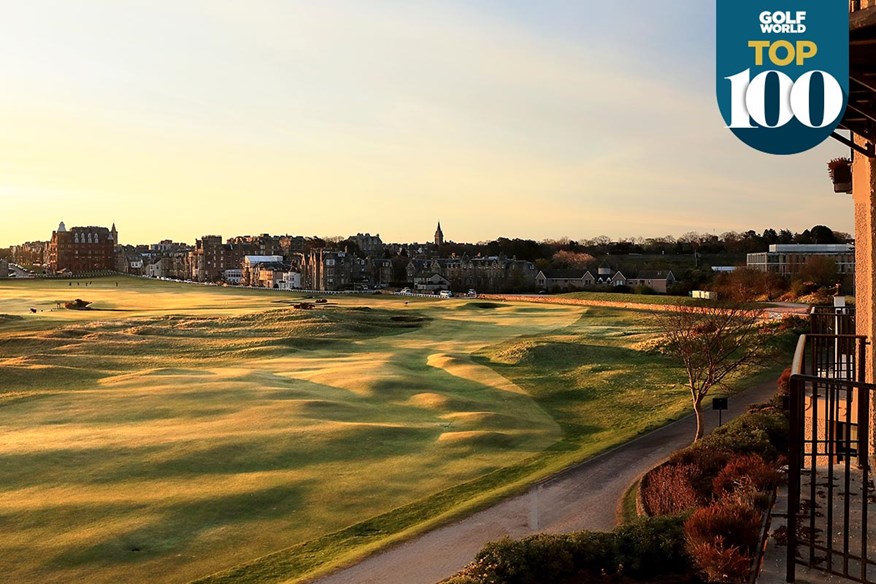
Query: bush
[
  {"x": 721, "y": 539},
  {"x": 669, "y": 489},
  {"x": 783, "y": 385},
  {"x": 649, "y": 549},
  {"x": 531, "y": 560},
  {"x": 708, "y": 461},
  {"x": 720, "y": 562},
  {"x": 763, "y": 432},
  {"x": 747, "y": 472}
]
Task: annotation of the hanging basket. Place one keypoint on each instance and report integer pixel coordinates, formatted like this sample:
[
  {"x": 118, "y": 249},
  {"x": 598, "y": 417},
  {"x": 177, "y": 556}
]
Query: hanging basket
[{"x": 840, "y": 171}]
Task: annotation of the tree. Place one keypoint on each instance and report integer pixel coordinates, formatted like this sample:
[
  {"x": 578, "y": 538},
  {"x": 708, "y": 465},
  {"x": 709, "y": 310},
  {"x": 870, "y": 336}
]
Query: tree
[{"x": 713, "y": 343}]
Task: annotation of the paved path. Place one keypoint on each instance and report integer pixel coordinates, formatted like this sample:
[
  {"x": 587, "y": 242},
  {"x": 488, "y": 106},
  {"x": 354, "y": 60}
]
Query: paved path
[{"x": 582, "y": 497}]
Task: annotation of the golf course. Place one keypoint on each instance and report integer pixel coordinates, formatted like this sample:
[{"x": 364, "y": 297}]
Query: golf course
[{"x": 176, "y": 432}]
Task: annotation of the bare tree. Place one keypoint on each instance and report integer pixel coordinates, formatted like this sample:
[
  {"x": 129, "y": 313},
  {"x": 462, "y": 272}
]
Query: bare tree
[{"x": 714, "y": 342}]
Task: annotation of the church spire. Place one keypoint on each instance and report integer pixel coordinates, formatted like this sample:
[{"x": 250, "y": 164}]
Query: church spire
[{"x": 439, "y": 236}]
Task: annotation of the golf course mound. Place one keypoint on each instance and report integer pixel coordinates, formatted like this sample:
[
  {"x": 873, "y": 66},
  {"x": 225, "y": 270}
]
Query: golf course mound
[
  {"x": 218, "y": 431},
  {"x": 477, "y": 439}
]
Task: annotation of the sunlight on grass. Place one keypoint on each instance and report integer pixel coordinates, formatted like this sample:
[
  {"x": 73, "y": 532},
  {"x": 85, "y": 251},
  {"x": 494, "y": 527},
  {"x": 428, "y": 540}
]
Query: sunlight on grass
[{"x": 180, "y": 431}]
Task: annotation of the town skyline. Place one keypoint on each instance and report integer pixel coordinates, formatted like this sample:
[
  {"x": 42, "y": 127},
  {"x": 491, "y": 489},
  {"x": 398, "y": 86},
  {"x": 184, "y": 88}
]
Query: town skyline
[
  {"x": 424, "y": 238},
  {"x": 496, "y": 117}
]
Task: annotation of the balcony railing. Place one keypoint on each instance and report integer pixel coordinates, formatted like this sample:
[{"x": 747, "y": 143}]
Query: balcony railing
[
  {"x": 832, "y": 320},
  {"x": 829, "y": 485}
]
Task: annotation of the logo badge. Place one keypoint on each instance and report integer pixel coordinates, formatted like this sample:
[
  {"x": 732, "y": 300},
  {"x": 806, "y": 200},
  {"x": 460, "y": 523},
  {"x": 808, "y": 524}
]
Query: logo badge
[{"x": 782, "y": 71}]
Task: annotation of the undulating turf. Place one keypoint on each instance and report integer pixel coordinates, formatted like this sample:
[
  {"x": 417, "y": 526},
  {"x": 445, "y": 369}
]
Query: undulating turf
[{"x": 178, "y": 431}]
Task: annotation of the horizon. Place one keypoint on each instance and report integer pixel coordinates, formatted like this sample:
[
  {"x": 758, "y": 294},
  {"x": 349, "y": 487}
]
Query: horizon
[
  {"x": 585, "y": 238},
  {"x": 498, "y": 117}
]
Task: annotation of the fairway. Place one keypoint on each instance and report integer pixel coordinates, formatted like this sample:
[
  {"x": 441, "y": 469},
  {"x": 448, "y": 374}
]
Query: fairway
[{"x": 176, "y": 430}]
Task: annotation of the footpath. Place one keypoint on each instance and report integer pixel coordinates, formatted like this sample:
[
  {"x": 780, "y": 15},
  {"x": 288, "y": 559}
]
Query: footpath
[{"x": 584, "y": 496}]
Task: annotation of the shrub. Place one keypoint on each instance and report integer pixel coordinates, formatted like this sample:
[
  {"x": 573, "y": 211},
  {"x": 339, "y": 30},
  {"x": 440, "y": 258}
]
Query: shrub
[
  {"x": 721, "y": 539},
  {"x": 649, "y": 549},
  {"x": 719, "y": 562},
  {"x": 708, "y": 461},
  {"x": 783, "y": 385},
  {"x": 763, "y": 432},
  {"x": 747, "y": 472},
  {"x": 531, "y": 560},
  {"x": 669, "y": 489}
]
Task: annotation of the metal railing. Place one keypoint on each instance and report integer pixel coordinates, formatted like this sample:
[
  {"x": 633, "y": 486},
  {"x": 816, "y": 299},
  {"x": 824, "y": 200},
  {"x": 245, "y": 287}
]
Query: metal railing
[
  {"x": 828, "y": 472},
  {"x": 832, "y": 320}
]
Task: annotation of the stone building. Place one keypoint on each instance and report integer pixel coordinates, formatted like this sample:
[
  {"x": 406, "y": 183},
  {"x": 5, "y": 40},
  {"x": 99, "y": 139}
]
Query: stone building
[
  {"x": 207, "y": 261},
  {"x": 369, "y": 245},
  {"x": 327, "y": 270},
  {"x": 169, "y": 266},
  {"x": 489, "y": 274},
  {"x": 211, "y": 257},
  {"x": 251, "y": 264},
  {"x": 564, "y": 280},
  {"x": 32, "y": 253},
  {"x": 4, "y": 269},
  {"x": 82, "y": 249},
  {"x": 439, "y": 236}
]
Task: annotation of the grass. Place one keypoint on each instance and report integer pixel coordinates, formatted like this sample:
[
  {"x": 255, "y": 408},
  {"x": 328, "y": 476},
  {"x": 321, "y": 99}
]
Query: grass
[
  {"x": 627, "y": 507},
  {"x": 178, "y": 431},
  {"x": 630, "y": 298}
]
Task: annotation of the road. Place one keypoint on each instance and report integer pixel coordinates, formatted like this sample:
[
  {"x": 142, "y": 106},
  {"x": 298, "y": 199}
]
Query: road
[{"x": 582, "y": 497}]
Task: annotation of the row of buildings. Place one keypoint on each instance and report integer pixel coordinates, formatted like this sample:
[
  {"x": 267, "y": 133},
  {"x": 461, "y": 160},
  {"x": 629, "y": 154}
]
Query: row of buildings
[
  {"x": 571, "y": 280},
  {"x": 285, "y": 262}
]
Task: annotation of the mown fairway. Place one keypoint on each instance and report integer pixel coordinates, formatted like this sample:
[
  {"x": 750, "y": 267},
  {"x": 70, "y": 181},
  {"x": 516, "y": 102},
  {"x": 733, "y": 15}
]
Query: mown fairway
[{"x": 176, "y": 430}]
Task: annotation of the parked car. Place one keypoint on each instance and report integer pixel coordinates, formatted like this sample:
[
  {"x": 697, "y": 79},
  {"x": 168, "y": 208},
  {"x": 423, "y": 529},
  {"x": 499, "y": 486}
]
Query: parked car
[
  {"x": 404, "y": 291},
  {"x": 472, "y": 293},
  {"x": 445, "y": 294}
]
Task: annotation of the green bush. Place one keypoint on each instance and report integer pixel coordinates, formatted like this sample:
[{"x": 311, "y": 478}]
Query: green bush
[
  {"x": 763, "y": 432},
  {"x": 646, "y": 550},
  {"x": 652, "y": 547}
]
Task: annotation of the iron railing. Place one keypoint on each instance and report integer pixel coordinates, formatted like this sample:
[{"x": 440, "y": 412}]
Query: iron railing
[
  {"x": 832, "y": 320},
  {"x": 828, "y": 473}
]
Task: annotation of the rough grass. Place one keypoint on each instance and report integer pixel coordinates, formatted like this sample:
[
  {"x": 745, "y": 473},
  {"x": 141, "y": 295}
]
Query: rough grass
[
  {"x": 178, "y": 431},
  {"x": 631, "y": 298}
]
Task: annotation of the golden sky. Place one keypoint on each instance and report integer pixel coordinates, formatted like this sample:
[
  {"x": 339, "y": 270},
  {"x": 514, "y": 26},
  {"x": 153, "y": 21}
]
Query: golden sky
[{"x": 498, "y": 117}]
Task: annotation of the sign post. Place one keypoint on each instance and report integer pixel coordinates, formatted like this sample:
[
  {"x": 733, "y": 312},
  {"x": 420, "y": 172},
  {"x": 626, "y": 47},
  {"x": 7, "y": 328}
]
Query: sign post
[{"x": 720, "y": 404}]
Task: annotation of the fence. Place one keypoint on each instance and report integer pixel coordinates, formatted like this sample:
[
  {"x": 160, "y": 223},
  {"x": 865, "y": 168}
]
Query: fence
[{"x": 829, "y": 483}]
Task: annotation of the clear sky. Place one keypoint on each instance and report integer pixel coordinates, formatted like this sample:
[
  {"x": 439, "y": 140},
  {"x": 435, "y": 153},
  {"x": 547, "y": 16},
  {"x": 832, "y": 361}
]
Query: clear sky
[{"x": 514, "y": 118}]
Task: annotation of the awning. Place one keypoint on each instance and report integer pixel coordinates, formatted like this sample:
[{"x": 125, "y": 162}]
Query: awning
[{"x": 860, "y": 116}]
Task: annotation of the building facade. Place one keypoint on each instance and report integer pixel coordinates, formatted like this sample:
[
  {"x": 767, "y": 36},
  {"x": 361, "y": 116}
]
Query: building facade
[
  {"x": 489, "y": 274},
  {"x": 82, "y": 249},
  {"x": 790, "y": 259}
]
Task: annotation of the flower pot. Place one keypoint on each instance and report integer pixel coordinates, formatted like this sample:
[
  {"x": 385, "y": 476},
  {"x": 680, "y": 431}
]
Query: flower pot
[{"x": 840, "y": 170}]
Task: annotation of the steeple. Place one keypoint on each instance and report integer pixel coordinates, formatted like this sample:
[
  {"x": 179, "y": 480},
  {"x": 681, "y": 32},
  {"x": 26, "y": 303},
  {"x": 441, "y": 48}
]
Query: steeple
[
  {"x": 62, "y": 228},
  {"x": 439, "y": 236},
  {"x": 114, "y": 234}
]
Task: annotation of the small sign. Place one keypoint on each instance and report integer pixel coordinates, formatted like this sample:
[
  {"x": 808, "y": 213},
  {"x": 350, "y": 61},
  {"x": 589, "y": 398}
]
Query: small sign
[{"x": 719, "y": 403}]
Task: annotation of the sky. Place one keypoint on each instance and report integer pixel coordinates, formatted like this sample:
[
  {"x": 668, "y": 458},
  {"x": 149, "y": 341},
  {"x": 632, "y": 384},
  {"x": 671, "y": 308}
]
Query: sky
[{"x": 514, "y": 118}]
